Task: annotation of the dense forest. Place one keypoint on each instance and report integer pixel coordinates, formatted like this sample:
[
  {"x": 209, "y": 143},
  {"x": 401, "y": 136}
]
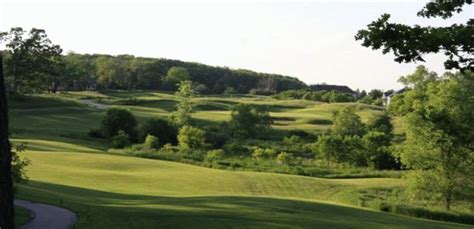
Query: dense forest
[
  {"x": 129, "y": 72},
  {"x": 34, "y": 63}
]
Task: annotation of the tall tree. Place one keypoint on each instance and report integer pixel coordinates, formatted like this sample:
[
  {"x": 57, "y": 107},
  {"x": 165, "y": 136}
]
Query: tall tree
[
  {"x": 174, "y": 76},
  {"x": 182, "y": 115},
  {"x": 347, "y": 122},
  {"x": 30, "y": 59},
  {"x": 411, "y": 43},
  {"x": 438, "y": 113},
  {"x": 7, "y": 212},
  {"x": 249, "y": 121}
]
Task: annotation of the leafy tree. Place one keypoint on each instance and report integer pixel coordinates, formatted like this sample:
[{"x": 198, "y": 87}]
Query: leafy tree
[
  {"x": 56, "y": 73},
  {"x": 347, "y": 122},
  {"x": 381, "y": 123},
  {"x": 119, "y": 119},
  {"x": 182, "y": 115},
  {"x": 329, "y": 146},
  {"x": 160, "y": 128},
  {"x": 336, "y": 97},
  {"x": 145, "y": 73},
  {"x": 174, "y": 76},
  {"x": 438, "y": 115},
  {"x": 79, "y": 71},
  {"x": 152, "y": 142},
  {"x": 249, "y": 121},
  {"x": 377, "y": 147},
  {"x": 411, "y": 43},
  {"x": 375, "y": 94},
  {"x": 352, "y": 151},
  {"x": 114, "y": 73},
  {"x": 30, "y": 59},
  {"x": 191, "y": 138}
]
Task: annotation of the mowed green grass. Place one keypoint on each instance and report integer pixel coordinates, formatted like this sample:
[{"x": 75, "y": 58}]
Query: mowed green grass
[
  {"x": 288, "y": 114},
  {"x": 111, "y": 191}
]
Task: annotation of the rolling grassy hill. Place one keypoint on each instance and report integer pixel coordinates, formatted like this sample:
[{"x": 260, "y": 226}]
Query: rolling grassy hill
[
  {"x": 113, "y": 191},
  {"x": 110, "y": 191}
]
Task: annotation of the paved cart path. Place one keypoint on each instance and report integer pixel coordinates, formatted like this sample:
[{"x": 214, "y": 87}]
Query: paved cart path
[{"x": 47, "y": 216}]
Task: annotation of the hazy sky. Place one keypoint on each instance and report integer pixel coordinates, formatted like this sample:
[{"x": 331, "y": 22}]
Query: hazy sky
[{"x": 313, "y": 41}]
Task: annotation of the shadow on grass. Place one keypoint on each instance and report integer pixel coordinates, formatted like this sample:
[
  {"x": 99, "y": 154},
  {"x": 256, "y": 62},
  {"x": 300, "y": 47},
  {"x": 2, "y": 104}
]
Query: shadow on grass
[{"x": 99, "y": 209}]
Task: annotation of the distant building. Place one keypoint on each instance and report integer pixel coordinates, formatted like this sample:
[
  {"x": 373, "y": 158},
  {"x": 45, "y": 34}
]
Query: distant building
[
  {"x": 387, "y": 96},
  {"x": 337, "y": 88}
]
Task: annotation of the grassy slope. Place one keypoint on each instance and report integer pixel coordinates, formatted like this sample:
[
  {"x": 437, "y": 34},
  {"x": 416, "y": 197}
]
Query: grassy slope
[
  {"x": 114, "y": 191},
  {"x": 109, "y": 191}
]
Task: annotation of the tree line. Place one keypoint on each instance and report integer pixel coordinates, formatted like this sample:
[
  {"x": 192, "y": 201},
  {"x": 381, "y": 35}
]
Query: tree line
[{"x": 33, "y": 63}]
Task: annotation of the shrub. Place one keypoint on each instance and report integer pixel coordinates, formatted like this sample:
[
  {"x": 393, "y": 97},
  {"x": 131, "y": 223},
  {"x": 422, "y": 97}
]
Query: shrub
[
  {"x": 235, "y": 148},
  {"x": 119, "y": 119},
  {"x": 284, "y": 158},
  {"x": 152, "y": 142},
  {"x": 366, "y": 100},
  {"x": 293, "y": 140},
  {"x": 19, "y": 165},
  {"x": 303, "y": 134},
  {"x": 213, "y": 155},
  {"x": 378, "y": 102},
  {"x": 168, "y": 148},
  {"x": 191, "y": 137},
  {"x": 263, "y": 153},
  {"x": 121, "y": 140},
  {"x": 160, "y": 128}
]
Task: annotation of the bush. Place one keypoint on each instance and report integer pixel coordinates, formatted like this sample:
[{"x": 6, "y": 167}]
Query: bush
[
  {"x": 191, "y": 137},
  {"x": 119, "y": 119},
  {"x": 235, "y": 148},
  {"x": 213, "y": 155},
  {"x": 284, "y": 158},
  {"x": 121, "y": 140},
  {"x": 366, "y": 100},
  {"x": 303, "y": 134},
  {"x": 19, "y": 165},
  {"x": 160, "y": 128},
  {"x": 260, "y": 153},
  {"x": 152, "y": 142},
  {"x": 434, "y": 215}
]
